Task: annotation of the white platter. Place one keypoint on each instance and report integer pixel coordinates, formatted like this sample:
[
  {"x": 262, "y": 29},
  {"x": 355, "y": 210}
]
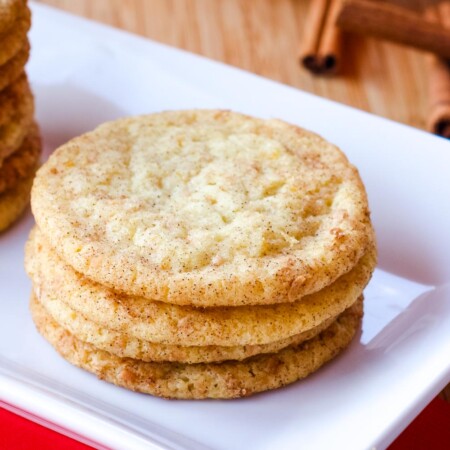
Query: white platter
[{"x": 84, "y": 73}]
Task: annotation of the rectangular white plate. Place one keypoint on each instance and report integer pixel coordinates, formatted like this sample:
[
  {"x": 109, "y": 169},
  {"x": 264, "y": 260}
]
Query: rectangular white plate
[{"x": 83, "y": 74}]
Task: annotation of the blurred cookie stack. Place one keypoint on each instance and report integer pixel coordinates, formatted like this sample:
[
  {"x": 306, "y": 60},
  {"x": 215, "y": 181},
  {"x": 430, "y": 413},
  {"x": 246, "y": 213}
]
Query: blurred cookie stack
[
  {"x": 199, "y": 254},
  {"x": 20, "y": 144}
]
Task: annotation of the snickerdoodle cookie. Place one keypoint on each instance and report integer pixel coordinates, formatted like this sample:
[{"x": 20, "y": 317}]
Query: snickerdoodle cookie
[
  {"x": 159, "y": 322},
  {"x": 14, "y": 201},
  {"x": 204, "y": 208},
  {"x": 12, "y": 69},
  {"x": 12, "y": 38},
  {"x": 16, "y": 114},
  {"x": 230, "y": 379},
  {"x": 22, "y": 162}
]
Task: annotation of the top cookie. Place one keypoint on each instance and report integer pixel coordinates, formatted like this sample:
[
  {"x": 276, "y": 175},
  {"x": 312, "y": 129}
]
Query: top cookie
[
  {"x": 13, "y": 38},
  {"x": 9, "y": 12},
  {"x": 204, "y": 208}
]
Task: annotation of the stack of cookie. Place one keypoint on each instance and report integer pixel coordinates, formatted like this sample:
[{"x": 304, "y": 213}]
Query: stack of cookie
[
  {"x": 199, "y": 254},
  {"x": 20, "y": 144}
]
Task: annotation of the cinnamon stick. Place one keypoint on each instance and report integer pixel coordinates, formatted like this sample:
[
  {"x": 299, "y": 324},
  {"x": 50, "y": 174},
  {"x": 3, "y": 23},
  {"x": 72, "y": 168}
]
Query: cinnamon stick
[
  {"x": 330, "y": 46},
  {"x": 392, "y": 22},
  {"x": 320, "y": 51},
  {"x": 439, "y": 78}
]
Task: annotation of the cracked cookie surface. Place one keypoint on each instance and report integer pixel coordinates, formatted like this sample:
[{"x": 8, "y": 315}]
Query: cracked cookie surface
[{"x": 206, "y": 208}]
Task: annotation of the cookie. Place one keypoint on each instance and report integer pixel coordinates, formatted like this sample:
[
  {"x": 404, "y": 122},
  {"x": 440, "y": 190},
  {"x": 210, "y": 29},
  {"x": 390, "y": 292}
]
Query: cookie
[
  {"x": 204, "y": 208},
  {"x": 14, "y": 201},
  {"x": 13, "y": 38},
  {"x": 22, "y": 162},
  {"x": 163, "y": 323},
  {"x": 10, "y": 10},
  {"x": 124, "y": 345},
  {"x": 229, "y": 379},
  {"x": 18, "y": 118},
  {"x": 12, "y": 69},
  {"x": 12, "y": 99}
]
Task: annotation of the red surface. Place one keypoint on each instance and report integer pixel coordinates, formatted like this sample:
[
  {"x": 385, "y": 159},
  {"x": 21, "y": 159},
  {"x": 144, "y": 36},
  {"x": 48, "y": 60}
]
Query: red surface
[
  {"x": 17, "y": 433},
  {"x": 431, "y": 430}
]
